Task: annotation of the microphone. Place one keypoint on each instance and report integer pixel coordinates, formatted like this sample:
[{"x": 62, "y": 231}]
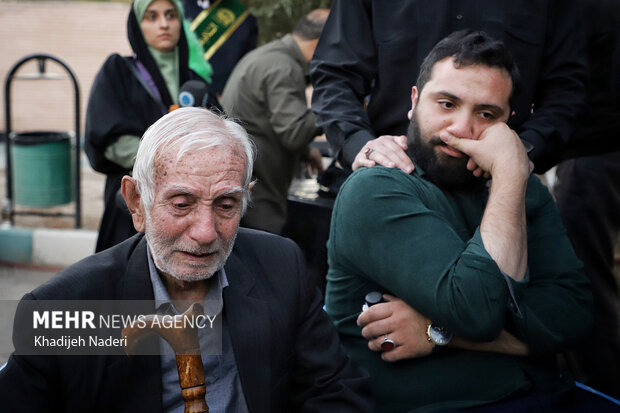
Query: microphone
[{"x": 193, "y": 93}]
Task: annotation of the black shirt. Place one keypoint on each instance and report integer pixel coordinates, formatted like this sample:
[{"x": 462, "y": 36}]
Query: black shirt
[{"x": 374, "y": 48}]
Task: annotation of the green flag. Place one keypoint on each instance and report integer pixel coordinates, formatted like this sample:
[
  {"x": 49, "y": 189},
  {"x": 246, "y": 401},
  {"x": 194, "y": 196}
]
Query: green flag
[{"x": 214, "y": 25}]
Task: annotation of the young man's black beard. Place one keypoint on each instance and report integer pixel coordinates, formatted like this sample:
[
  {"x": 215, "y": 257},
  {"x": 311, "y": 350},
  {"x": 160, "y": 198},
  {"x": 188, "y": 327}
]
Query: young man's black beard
[{"x": 446, "y": 172}]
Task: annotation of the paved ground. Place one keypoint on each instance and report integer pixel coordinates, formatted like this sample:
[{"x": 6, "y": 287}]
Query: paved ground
[
  {"x": 62, "y": 29},
  {"x": 14, "y": 283}
]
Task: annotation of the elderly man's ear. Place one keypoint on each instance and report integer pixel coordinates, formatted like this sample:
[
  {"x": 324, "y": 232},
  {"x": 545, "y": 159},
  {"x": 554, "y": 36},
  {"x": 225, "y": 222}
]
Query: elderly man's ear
[{"x": 129, "y": 190}]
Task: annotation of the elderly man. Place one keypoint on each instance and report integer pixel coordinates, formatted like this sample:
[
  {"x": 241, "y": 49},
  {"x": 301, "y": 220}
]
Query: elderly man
[
  {"x": 484, "y": 260},
  {"x": 279, "y": 352}
]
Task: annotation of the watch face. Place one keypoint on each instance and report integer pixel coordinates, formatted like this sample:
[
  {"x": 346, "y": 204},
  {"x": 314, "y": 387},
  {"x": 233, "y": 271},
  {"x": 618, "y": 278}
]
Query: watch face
[{"x": 439, "y": 335}]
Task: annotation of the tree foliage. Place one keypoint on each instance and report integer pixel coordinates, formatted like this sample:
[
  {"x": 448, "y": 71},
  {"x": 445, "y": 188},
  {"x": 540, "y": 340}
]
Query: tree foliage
[{"x": 277, "y": 17}]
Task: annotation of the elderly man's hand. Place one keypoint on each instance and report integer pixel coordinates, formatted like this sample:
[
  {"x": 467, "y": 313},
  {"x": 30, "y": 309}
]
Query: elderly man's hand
[
  {"x": 386, "y": 150},
  {"x": 401, "y": 323}
]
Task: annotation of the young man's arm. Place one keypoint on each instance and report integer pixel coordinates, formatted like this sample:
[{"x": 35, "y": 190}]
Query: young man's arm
[
  {"x": 500, "y": 153},
  {"x": 408, "y": 327}
]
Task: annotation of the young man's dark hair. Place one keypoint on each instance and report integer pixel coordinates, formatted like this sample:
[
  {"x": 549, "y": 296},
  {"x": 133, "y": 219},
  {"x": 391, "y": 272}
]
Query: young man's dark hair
[{"x": 470, "y": 47}]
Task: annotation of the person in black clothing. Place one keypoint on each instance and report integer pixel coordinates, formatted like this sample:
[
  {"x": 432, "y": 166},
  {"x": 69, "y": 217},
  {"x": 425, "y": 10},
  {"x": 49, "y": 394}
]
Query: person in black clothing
[
  {"x": 128, "y": 95},
  {"x": 372, "y": 49},
  {"x": 587, "y": 190}
]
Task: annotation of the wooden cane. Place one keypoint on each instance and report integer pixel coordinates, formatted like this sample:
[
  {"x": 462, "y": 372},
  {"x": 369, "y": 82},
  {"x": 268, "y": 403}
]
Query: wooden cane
[{"x": 184, "y": 342}]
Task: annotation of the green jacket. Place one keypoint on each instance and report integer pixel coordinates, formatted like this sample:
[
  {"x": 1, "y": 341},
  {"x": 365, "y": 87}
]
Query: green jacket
[{"x": 267, "y": 93}]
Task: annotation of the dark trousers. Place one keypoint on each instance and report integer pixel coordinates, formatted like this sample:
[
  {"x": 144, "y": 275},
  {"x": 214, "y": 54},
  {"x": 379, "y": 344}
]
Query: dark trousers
[{"x": 588, "y": 195}]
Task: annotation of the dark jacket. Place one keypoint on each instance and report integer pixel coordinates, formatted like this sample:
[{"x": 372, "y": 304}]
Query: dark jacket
[{"x": 288, "y": 355}]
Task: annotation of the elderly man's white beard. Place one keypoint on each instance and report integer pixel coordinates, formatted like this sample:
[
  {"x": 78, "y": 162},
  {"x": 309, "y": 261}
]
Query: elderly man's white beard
[{"x": 163, "y": 247}]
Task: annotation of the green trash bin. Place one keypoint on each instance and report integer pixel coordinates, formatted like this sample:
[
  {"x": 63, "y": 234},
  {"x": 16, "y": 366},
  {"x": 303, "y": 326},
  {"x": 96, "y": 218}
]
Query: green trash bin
[{"x": 41, "y": 168}]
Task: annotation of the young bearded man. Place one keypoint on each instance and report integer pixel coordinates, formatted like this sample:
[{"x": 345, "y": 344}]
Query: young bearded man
[{"x": 482, "y": 285}]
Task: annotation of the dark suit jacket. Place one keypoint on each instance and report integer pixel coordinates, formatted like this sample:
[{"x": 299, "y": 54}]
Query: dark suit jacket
[{"x": 287, "y": 352}]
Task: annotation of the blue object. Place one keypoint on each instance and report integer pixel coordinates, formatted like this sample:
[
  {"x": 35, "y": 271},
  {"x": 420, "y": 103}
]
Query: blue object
[
  {"x": 186, "y": 99},
  {"x": 598, "y": 393}
]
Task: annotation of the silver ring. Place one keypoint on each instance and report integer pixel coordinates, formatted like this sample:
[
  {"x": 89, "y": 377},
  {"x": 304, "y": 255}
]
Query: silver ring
[
  {"x": 367, "y": 151},
  {"x": 387, "y": 344}
]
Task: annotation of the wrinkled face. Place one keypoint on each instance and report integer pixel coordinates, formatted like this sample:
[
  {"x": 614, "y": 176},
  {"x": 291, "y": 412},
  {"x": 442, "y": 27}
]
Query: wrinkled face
[
  {"x": 161, "y": 26},
  {"x": 192, "y": 225},
  {"x": 461, "y": 102}
]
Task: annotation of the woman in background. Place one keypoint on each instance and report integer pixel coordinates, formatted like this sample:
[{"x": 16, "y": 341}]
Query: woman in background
[{"x": 130, "y": 93}]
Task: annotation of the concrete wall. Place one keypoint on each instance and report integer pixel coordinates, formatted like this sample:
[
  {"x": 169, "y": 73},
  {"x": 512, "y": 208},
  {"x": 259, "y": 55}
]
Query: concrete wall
[{"x": 80, "y": 34}]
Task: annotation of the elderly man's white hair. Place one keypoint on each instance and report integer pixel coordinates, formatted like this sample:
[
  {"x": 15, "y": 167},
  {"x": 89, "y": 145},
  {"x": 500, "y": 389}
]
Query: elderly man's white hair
[{"x": 188, "y": 129}]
